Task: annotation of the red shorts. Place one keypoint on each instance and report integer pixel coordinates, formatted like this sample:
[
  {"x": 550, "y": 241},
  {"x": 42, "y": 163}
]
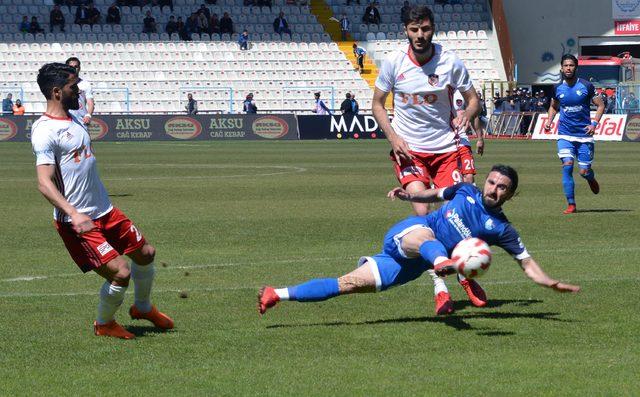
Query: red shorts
[
  {"x": 114, "y": 235},
  {"x": 441, "y": 169},
  {"x": 467, "y": 166}
]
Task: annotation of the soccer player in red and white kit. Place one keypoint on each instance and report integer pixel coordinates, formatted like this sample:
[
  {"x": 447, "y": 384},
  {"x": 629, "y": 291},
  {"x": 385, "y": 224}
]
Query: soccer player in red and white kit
[
  {"x": 85, "y": 98},
  {"x": 424, "y": 132},
  {"x": 95, "y": 233}
]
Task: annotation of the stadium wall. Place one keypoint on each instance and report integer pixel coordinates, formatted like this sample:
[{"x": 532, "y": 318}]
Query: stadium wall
[{"x": 542, "y": 31}]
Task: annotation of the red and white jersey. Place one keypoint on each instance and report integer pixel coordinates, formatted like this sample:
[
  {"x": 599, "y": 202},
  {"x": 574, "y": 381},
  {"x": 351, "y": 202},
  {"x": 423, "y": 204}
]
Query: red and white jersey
[
  {"x": 86, "y": 92},
  {"x": 423, "y": 97},
  {"x": 66, "y": 144}
]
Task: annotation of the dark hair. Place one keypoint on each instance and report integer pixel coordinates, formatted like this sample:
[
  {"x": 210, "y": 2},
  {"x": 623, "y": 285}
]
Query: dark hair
[
  {"x": 569, "y": 56},
  {"x": 418, "y": 13},
  {"x": 509, "y": 172},
  {"x": 53, "y": 75},
  {"x": 348, "y": 95},
  {"x": 72, "y": 59}
]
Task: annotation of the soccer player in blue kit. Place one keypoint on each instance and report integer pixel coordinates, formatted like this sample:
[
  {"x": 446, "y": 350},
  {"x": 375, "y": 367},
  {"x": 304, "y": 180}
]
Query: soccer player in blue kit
[
  {"x": 419, "y": 243},
  {"x": 575, "y": 128}
]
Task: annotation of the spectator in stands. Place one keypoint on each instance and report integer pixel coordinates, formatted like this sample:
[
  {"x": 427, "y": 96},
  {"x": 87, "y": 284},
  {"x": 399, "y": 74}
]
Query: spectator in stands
[
  {"x": 56, "y": 18},
  {"x": 243, "y": 40},
  {"x": 113, "y": 14},
  {"x": 191, "y": 26},
  {"x": 18, "y": 109},
  {"x": 171, "y": 27},
  {"x": 248, "y": 3},
  {"x": 349, "y": 2},
  {"x": 280, "y": 24},
  {"x": 94, "y": 15},
  {"x": 149, "y": 24},
  {"x": 214, "y": 24},
  {"x": 192, "y": 105},
  {"x": 541, "y": 102},
  {"x": 264, "y": 3},
  {"x": 211, "y": 1},
  {"x": 34, "y": 26},
  {"x": 203, "y": 20},
  {"x": 182, "y": 29},
  {"x": 7, "y": 105},
  {"x": 345, "y": 26},
  {"x": 483, "y": 104},
  {"x": 204, "y": 10},
  {"x": 497, "y": 102},
  {"x": 249, "y": 105},
  {"x": 82, "y": 15},
  {"x": 611, "y": 103},
  {"x": 630, "y": 103},
  {"x": 226, "y": 24},
  {"x": 346, "y": 107},
  {"x": 25, "y": 25},
  {"x": 371, "y": 14},
  {"x": 359, "y": 53},
  {"x": 404, "y": 11},
  {"x": 319, "y": 107}
]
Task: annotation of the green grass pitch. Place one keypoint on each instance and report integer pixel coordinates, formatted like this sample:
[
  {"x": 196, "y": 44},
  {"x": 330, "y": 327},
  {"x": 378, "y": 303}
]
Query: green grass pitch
[{"x": 228, "y": 217}]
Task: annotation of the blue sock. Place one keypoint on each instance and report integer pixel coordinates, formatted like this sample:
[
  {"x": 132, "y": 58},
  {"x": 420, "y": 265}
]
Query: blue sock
[
  {"x": 567, "y": 183},
  {"x": 590, "y": 175},
  {"x": 315, "y": 290},
  {"x": 432, "y": 249}
]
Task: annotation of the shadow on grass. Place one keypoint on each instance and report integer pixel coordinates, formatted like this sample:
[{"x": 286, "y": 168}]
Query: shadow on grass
[
  {"x": 459, "y": 322},
  {"x": 604, "y": 210},
  {"x": 143, "y": 330},
  {"x": 493, "y": 303},
  {"x": 120, "y": 195}
]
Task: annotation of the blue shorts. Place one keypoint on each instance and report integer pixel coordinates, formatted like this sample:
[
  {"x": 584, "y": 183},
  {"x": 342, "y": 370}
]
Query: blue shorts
[
  {"x": 392, "y": 267},
  {"x": 582, "y": 151}
]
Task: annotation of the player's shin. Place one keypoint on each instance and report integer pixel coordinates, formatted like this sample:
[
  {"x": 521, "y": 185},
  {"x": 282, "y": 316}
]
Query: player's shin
[
  {"x": 313, "y": 291},
  {"x": 568, "y": 184},
  {"x": 142, "y": 277},
  {"x": 111, "y": 297},
  {"x": 433, "y": 251},
  {"x": 589, "y": 175}
]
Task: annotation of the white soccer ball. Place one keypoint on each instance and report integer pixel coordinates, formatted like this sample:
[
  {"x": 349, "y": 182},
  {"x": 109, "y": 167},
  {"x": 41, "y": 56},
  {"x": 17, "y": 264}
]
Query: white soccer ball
[{"x": 472, "y": 257}]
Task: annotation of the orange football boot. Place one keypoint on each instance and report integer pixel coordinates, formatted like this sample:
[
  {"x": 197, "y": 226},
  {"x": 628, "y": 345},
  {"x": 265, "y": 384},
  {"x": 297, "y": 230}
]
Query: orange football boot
[
  {"x": 112, "y": 329},
  {"x": 158, "y": 318}
]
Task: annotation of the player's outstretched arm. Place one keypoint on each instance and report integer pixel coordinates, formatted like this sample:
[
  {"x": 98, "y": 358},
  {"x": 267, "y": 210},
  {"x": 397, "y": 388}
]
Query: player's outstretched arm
[
  {"x": 80, "y": 222},
  {"x": 425, "y": 196},
  {"x": 553, "y": 109},
  {"x": 538, "y": 276}
]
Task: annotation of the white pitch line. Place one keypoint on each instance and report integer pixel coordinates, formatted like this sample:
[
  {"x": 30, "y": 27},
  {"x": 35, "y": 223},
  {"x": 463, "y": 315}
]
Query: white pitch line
[{"x": 240, "y": 288}]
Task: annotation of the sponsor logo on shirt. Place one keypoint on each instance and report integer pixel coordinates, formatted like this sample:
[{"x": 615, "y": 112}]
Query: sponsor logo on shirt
[
  {"x": 572, "y": 109},
  {"x": 456, "y": 221},
  {"x": 400, "y": 77},
  {"x": 104, "y": 248}
]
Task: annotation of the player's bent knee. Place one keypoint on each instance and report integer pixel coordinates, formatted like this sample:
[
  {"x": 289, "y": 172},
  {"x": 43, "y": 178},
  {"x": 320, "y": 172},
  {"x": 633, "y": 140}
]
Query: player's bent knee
[
  {"x": 584, "y": 171},
  {"x": 143, "y": 256},
  {"x": 121, "y": 272}
]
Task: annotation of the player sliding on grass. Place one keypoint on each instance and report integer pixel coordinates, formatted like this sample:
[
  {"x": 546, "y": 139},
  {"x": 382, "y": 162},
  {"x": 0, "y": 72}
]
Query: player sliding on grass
[
  {"x": 575, "y": 128},
  {"x": 419, "y": 243},
  {"x": 425, "y": 134},
  {"x": 95, "y": 233}
]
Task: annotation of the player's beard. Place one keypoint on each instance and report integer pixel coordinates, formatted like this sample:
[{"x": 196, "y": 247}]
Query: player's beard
[
  {"x": 426, "y": 48},
  {"x": 566, "y": 77},
  {"x": 71, "y": 102}
]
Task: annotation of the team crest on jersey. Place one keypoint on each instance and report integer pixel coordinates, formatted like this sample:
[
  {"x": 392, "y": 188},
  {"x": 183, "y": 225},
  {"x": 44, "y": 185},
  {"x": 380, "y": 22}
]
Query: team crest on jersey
[
  {"x": 578, "y": 92},
  {"x": 489, "y": 225},
  {"x": 471, "y": 200},
  {"x": 561, "y": 96},
  {"x": 434, "y": 79},
  {"x": 400, "y": 77}
]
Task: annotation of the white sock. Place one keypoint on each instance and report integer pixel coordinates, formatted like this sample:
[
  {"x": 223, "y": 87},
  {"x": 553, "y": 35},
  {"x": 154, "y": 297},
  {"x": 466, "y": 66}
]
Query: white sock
[
  {"x": 142, "y": 277},
  {"x": 283, "y": 293},
  {"x": 111, "y": 297},
  {"x": 461, "y": 277},
  {"x": 439, "y": 260},
  {"x": 438, "y": 283}
]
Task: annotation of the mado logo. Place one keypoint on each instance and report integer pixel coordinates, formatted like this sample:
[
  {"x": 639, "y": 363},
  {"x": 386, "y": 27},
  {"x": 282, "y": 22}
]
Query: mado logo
[
  {"x": 270, "y": 127},
  {"x": 632, "y": 132},
  {"x": 97, "y": 129},
  {"x": 182, "y": 127},
  {"x": 8, "y": 129}
]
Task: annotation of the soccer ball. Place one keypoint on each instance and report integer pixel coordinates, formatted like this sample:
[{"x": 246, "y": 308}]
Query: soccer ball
[{"x": 472, "y": 257}]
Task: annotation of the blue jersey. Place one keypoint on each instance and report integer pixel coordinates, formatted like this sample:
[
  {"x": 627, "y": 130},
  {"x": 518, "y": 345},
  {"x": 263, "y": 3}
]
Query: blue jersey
[
  {"x": 466, "y": 216},
  {"x": 574, "y": 109}
]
